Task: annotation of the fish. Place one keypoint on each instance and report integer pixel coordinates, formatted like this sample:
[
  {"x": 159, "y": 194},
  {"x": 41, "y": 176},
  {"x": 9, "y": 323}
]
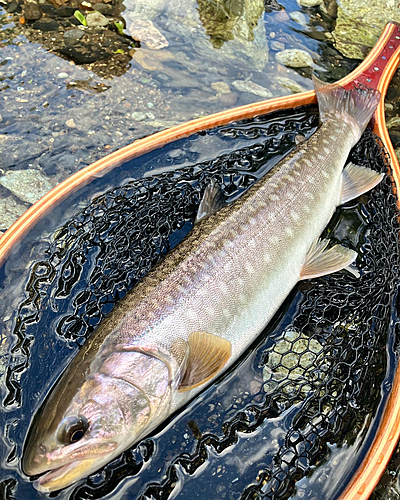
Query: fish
[{"x": 198, "y": 310}]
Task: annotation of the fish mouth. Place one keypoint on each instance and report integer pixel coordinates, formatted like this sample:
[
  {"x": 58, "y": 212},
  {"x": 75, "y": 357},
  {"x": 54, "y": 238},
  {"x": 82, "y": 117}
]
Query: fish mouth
[{"x": 65, "y": 475}]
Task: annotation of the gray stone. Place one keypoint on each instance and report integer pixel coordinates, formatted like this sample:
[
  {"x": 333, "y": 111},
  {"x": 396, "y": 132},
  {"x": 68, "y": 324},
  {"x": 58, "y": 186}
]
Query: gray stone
[
  {"x": 62, "y": 75},
  {"x": 96, "y": 19},
  {"x": 252, "y": 88},
  {"x": 294, "y": 58},
  {"x": 28, "y": 185},
  {"x": 32, "y": 11},
  {"x": 137, "y": 116},
  {"x": 10, "y": 211},
  {"x": 102, "y": 8},
  {"x": 289, "y": 84},
  {"x": 72, "y": 36},
  {"x": 298, "y": 17}
]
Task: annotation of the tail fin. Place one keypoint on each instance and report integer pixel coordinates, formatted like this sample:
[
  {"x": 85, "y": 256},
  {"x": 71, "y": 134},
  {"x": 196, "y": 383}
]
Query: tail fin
[{"x": 358, "y": 103}]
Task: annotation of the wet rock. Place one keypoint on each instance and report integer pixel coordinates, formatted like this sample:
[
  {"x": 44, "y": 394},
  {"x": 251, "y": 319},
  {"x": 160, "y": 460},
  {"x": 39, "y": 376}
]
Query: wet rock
[
  {"x": 71, "y": 37},
  {"x": 48, "y": 9},
  {"x": 294, "y": 58},
  {"x": 252, "y": 88},
  {"x": 65, "y": 11},
  {"x": 289, "y": 84},
  {"x": 32, "y": 11},
  {"x": 298, "y": 17},
  {"x": 152, "y": 61},
  {"x": 28, "y": 185},
  {"x": 46, "y": 24},
  {"x": 96, "y": 19},
  {"x": 84, "y": 53},
  {"x": 275, "y": 45},
  {"x": 221, "y": 87},
  {"x": 228, "y": 99},
  {"x": 103, "y": 8},
  {"x": 138, "y": 116},
  {"x": 12, "y": 7},
  {"x": 359, "y": 24},
  {"x": 10, "y": 210},
  {"x": 310, "y": 3},
  {"x": 58, "y": 3},
  {"x": 146, "y": 32}
]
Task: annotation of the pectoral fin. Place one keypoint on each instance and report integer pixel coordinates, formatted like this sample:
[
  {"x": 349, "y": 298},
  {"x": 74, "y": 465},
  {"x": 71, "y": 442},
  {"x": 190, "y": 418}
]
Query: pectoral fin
[
  {"x": 213, "y": 199},
  {"x": 321, "y": 261},
  {"x": 358, "y": 180},
  {"x": 208, "y": 354}
]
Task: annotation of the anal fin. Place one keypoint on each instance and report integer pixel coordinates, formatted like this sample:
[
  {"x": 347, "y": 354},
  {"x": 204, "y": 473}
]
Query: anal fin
[
  {"x": 321, "y": 261},
  {"x": 208, "y": 354},
  {"x": 358, "y": 180},
  {"x": 213, "y": 199}
]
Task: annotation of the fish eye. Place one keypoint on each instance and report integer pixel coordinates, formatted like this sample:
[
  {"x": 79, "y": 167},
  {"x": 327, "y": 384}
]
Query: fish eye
[{"x": 72, "y": 429}]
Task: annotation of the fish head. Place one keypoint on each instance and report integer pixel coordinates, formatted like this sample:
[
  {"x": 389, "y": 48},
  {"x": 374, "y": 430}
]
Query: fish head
[{"x": 76, "y": 433}]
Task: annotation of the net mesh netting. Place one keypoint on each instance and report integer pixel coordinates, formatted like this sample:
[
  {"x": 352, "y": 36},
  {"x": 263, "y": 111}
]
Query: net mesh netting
[{"x": 320, "y": 368}]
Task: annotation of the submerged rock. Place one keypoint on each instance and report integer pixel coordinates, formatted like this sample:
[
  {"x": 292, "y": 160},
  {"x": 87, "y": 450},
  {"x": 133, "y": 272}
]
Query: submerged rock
[
  {"x": 294, "y": 58},
  {"x": 28, "y": 185},
  {"x": 146, "y": 32},
  {"x": 289, "y": 84},
  {"x": 10, "y": 211},
  {"x": 359, "y": 24},
  {"x": 252, "y": 88}
]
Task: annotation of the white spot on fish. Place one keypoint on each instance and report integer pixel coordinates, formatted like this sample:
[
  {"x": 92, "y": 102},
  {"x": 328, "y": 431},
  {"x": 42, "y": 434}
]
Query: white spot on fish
[
  {"x": 249, "y": 268},
  {"x": 294, "y": 215},
  {"x": 309, "y": 195},
  {"x": 297, "y": 173},
  {"x": 273, "y": 197},
  {"x": 289, "y": 231},
  {"x": 252, "y": 243},
  {"x": 306, "y": 209},
  {"x": 274, "y": 239},
  {"x": 267, "y": 257},
  {"x": 242, "y": 298},
  {"x": 325, "y": 174},
  {"x": 288, "y": 177},
  {"x": 226, "y": 313},
  {"x": 311, "y": 178}
]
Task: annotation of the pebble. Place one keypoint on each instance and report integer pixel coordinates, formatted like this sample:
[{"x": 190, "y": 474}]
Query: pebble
[
  {"x": 221, "y": 87},
  {"x": 70, "y": 123},
  {"x": 138, "y": 116},
  {"x": 252, "y": 88},
  {"x": 310, "y": 3},
  {"x": 228, "y": 99},
  {"x": 298, "y": 17},
  {"x": 32, "y": 11},
  {"x": 275, "y": 45},
  {"x": 96, "y": 19},
  {"x": 294, "y": 58},
  {"x": 72, "y": 36},
  {"x": 12, "y": 7},
  {"x": 289, "y": 84},
  {"x": 103, "y": 8},
  {"x": 28, "y": 185},
  {"x": 62, "y": 75}
]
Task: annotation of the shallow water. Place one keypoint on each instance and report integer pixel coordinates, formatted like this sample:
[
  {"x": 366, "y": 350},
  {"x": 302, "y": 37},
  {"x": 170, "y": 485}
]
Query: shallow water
[{"x": 295, "y": 409}]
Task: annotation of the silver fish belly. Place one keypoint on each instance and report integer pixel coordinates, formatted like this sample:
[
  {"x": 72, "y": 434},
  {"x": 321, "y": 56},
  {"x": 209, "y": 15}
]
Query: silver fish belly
[{"x": 198, "y": 310}]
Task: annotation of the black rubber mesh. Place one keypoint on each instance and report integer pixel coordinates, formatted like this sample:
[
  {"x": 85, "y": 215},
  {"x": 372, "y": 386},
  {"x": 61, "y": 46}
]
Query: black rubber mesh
[{"x": 327, "y": 362}]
